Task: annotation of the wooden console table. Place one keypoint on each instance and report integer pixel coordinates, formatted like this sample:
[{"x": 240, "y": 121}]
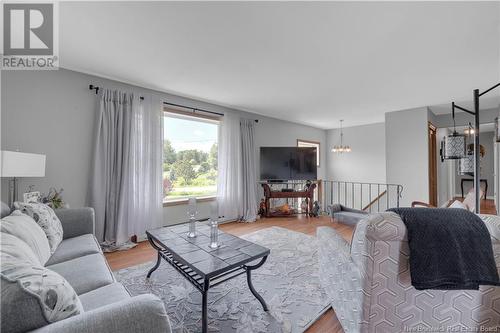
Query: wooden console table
[{"x": 308, "y": 194}]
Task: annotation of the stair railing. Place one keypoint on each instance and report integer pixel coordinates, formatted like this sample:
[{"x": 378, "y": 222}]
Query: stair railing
[{"x": 369, "y": 197}]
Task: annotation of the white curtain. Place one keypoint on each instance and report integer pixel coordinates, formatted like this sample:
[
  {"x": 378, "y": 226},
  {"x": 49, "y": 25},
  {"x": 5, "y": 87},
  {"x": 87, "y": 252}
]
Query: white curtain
[
  {"x": 236, "y": 181},
  {"x": 249, "y": 181},
  {"x": 125, "y": 188},
  {"x": 145, "y": 200},
  {"x": 230, "y": 179}
]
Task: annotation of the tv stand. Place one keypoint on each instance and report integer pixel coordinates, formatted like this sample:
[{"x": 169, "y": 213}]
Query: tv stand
[{"x": 307, "y": 193}]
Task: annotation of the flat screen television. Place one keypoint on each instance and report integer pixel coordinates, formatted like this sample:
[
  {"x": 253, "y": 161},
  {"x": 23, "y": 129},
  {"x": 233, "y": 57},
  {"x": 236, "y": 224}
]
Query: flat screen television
[{"x": 288, "y": 163}]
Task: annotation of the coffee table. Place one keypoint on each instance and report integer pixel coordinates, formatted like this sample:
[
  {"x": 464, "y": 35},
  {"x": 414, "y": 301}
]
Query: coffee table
[{"x": 203, "y": 266}]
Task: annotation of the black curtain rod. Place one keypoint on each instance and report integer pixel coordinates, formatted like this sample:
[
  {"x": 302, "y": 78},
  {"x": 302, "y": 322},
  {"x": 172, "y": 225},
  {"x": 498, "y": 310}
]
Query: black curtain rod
[
  {"x": 96, "y": 88},
  {"x": 193, "y": 109},
  {"x": 197, "y": 109}
]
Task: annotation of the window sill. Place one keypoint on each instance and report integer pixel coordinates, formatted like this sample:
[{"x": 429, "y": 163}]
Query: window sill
[{"x": 178, "y": 202}]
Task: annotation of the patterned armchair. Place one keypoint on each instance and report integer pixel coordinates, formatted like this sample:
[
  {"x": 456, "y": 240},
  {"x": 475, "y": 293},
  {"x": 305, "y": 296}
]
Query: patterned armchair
[{"x": 369, "y": 285}]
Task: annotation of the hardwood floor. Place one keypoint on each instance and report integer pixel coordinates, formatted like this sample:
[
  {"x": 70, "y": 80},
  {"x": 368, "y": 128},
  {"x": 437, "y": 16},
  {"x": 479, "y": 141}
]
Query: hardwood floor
[
  {"x": 143, "y": 252},
  {"x": 487, "y": 206}
]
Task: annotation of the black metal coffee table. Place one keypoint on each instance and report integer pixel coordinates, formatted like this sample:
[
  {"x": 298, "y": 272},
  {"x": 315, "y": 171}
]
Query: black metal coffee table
[{"x": 205, "y": 267}]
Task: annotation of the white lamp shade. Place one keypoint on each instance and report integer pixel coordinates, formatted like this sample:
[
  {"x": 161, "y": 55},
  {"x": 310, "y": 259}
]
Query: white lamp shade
[{"x": 17, "y": 164}]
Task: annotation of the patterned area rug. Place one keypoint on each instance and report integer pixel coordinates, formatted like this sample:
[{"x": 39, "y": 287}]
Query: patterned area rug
[{"x": 288, "y": 281}]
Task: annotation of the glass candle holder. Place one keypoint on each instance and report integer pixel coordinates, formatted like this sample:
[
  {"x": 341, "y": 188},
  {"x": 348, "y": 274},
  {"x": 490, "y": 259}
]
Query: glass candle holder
[
  {"x": 192, "y": 217},
  {"x": 214, "y": 234}
]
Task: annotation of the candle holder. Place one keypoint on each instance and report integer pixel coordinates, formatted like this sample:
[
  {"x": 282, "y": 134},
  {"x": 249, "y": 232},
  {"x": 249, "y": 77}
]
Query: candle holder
[
  {"x": 214, "y": 225},
  {"x": 192, "y": 217},
  {"x": 214, "y": 234}
]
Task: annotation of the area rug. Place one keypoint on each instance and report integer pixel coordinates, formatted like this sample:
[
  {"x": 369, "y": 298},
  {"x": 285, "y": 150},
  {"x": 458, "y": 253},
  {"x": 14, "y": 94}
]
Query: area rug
[{"x": 288, "y": 281}]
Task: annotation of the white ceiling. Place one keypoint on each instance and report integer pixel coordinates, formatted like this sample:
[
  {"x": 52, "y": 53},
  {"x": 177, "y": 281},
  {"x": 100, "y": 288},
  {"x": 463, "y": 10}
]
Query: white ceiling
[{"x": 308, "y": 62}]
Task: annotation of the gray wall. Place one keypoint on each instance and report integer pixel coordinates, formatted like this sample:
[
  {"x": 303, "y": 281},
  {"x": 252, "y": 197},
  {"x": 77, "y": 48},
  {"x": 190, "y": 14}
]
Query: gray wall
[
  {"x": 52, "y": 113},
  {"x": 487, "y": 166},
  {"x": 366, "y": 161},
  {"x": 407, "y": 153}
]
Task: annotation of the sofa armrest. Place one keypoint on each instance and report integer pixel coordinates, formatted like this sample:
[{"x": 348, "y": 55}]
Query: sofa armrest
[
  {"x": 144, "y": 313},
  {"x": 76, "y": 221}
]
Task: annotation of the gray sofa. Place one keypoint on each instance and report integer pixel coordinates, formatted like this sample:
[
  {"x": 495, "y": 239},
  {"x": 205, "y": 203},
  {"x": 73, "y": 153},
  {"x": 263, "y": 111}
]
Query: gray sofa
[
  {"x": 346, "y": 215},
  {"x": 108, "y": 307}
]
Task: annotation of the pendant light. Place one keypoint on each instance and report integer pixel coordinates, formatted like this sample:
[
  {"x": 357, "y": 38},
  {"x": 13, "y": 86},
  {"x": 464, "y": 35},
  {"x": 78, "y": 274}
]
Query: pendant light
[
  {"x": 341, "y": 149},
  {"x": 454, "y": 144},
  {"x": 466, "y": 165}
]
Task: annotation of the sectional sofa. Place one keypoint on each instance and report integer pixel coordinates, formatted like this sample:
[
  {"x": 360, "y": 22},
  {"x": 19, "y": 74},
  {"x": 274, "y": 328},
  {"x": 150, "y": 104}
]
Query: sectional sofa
[{"x": 107, "y": 306}]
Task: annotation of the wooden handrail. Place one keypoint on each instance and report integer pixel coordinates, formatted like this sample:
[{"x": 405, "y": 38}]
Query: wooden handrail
[{"x": 375, "y": 200}]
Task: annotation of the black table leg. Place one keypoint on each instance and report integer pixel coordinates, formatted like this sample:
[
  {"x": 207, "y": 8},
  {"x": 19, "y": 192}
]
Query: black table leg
[
  {"x": 249, "y": 270},
  {"x": 155, "y": 266},
  {"x": 204, "y": 315},
  {"x": 158, "y": 260}
]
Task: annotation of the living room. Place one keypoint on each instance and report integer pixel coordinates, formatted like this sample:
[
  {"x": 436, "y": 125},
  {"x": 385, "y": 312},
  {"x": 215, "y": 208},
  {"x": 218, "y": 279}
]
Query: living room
[{"x": 227, "y": 166}]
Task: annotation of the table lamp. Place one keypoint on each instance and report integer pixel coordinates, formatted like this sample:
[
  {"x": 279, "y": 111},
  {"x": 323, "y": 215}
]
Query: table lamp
[{"x": 16, "y": 165}]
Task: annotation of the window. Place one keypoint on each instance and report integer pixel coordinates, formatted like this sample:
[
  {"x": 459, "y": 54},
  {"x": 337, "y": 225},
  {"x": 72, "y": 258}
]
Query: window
[
  {"x": 314, "y": 144},
  {"x": 189, "y": 156}
]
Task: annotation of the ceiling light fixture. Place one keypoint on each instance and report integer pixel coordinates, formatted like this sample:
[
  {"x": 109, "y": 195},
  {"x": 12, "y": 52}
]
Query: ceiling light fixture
[{"x": 341, "y": 149}]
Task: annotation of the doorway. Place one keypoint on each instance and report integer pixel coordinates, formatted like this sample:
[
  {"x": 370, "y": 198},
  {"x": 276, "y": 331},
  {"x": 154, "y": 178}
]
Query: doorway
[{"x": 433, "y": 195}]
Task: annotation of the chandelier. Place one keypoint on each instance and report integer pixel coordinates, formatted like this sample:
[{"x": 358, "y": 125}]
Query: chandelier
[{"x": 341, "y": 149}]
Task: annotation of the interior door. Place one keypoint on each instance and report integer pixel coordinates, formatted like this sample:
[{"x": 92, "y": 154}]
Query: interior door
[{"x": 433, "y": 197}]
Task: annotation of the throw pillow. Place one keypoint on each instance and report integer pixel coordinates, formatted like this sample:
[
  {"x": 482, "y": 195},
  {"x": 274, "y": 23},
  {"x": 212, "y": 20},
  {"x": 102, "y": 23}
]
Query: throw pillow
[
  {"x": 335, "y": 208},
  {"x": 46, "y": 218},
  {"x": 457, "y": 204},
  {"x": 34, "y": 296},
  {"x": 16, "y": 248},
  {"x": 26, "y": 229},
  {"x": 4, "y": 209}
]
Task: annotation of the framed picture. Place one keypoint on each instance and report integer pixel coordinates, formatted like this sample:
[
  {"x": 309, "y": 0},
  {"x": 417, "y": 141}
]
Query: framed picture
[{"x": 31, "y": 197}]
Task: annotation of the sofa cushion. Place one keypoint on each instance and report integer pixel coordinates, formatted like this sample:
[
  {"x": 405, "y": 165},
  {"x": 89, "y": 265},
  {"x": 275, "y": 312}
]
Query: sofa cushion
[
  {"x": 109, "y": 294},
  {"x": 26, "y": 229},
  {"x": 75, "y": 247},
  {"x": 13, "y": 246},
  {"x": 46, "y": 218},
  {"x": 85, "y": 273},
  {"x": 33, "y": 296}
]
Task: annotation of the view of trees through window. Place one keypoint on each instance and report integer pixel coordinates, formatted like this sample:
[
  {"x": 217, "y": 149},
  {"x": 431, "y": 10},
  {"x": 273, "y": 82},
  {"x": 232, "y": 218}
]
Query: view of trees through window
[{"x": 189, "y": 157}]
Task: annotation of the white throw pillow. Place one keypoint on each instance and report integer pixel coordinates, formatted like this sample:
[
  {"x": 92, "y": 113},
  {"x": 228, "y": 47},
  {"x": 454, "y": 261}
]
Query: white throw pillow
[
  {"x": 457, "y": 204},
  {"x": 42, "y": 296},
  {"x": 46, "y": 219},
  {"x": 26, "y": 229},
  {"x": 13, "y": 246}
]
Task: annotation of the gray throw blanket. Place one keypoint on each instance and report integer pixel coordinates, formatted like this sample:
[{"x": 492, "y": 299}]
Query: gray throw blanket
[{"x": 450, "y": 248}]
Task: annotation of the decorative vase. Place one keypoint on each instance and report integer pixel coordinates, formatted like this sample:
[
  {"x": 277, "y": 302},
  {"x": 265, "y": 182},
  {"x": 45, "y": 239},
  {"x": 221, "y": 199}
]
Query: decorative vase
[{"x": 192, "y": 217}]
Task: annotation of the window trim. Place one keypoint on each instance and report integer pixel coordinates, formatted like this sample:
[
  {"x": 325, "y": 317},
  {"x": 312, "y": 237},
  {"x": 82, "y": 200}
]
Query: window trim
[
  {"x": 318, "y": 164},
  {"x": 190, "y": 114},
  {"x": 179, "y": 202}
]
